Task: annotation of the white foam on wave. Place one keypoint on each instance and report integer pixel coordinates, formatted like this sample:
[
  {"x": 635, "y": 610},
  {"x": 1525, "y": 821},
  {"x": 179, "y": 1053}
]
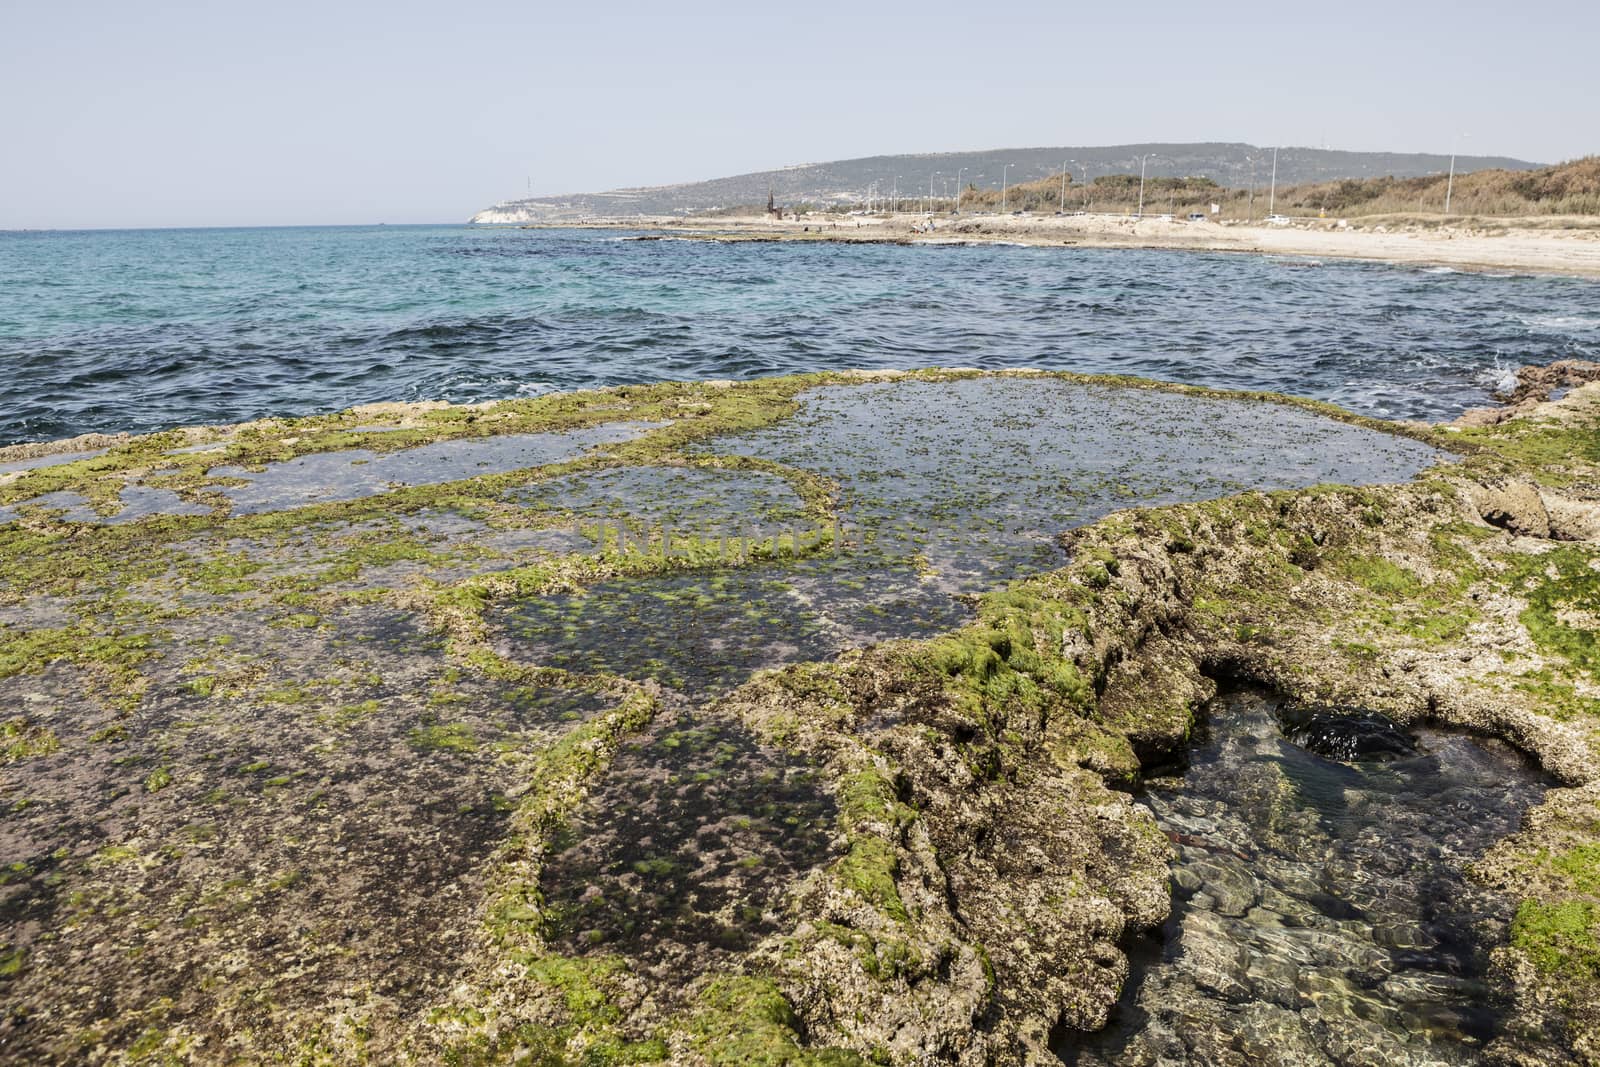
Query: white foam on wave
[
  {"x": 1497, "y": 379},
  {"x": 959, "y": 242},
  {"x": 1561, "y": 322}
]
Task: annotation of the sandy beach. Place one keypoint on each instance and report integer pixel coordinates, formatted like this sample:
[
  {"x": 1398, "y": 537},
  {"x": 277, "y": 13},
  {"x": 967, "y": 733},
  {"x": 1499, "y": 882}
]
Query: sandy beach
[{"x": 1515, "y": 245}]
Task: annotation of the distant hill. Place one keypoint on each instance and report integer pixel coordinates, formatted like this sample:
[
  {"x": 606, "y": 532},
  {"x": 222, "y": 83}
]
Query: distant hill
[{"x": 847, "y": 181}]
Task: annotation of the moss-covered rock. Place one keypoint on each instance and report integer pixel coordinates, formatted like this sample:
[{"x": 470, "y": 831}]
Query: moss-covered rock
[{"x": 289, "y": 789}]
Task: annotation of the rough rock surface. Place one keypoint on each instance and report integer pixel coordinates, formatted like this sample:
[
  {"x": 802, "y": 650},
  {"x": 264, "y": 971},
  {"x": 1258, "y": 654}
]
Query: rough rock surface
[
  {"x": 1534, "y": 386},
  {"x": 278, "y": 792}
]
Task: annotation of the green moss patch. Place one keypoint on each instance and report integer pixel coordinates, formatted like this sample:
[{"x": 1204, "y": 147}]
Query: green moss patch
[
  {"x": 747, "y": 1021},
  {"x": 586, "y": 1035},
  {"x": 1552, "y": 453},
  {"x": 1562, "y": 590},
  {"x": 20, "y": 740},
  {"x": 1561, "y": 939},
  {"x": 449, "y": 737}
]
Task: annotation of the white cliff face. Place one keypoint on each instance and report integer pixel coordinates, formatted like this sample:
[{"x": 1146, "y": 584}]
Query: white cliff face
[{"x": 502, "y": 214}]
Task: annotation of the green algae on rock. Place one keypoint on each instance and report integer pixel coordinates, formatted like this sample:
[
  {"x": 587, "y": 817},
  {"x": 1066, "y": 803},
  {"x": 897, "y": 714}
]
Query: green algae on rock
[{"x": 388, "y": 733}]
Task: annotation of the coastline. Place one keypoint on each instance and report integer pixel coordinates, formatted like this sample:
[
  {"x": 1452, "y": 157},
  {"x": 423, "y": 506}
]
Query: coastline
[{"x": 1469, "y": 245}]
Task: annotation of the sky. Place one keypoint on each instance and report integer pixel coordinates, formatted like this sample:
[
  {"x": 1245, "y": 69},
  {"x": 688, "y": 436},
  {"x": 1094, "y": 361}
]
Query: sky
[{"x": 163, "y": 113}]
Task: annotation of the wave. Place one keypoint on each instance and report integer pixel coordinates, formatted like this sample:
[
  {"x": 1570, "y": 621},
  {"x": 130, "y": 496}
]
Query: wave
[
  {"x": 346, "y": 319},
  {"x": 1561, "y": 322}
]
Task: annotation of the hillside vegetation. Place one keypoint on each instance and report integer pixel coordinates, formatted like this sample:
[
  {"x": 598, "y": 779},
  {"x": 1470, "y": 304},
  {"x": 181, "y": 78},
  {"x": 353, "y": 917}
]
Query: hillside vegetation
[
  {"x": 1113, "y": 192},
  {"x": 1571, "y": 188},
  {"x": 1566, "y": 189}
]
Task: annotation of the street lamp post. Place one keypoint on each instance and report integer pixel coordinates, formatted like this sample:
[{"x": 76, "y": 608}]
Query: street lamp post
[
  {"x": 959, "y": 172},
  {"x": 1064, "y": 185},
  {"x": 1142, "y": 161},
  {"x": 1003, "y": 187}
]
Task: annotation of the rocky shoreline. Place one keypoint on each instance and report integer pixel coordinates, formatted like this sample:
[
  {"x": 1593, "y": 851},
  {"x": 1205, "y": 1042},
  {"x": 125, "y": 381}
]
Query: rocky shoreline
[{"x": 286, "y": 783}]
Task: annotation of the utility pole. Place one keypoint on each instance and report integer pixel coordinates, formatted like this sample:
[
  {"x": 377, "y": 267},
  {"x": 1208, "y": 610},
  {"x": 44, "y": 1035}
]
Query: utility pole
[
  {"x": 1003, "y": 187},
  {"x": 1250, "y": 212},
  {"x": 1450, "y": 183},
  {"x": 959, "y": 172},
  {"x": 1272, "y": 198},
  {"x": 1064, "y": 186}
]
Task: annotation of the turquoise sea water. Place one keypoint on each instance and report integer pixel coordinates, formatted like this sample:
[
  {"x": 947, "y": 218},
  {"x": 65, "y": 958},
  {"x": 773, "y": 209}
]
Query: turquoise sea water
[{"x": 137, "y": 330}]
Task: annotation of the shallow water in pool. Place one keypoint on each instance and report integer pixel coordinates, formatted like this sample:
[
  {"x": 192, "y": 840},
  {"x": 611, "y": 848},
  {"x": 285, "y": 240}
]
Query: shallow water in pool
[{"x": 1322, "y": 912}]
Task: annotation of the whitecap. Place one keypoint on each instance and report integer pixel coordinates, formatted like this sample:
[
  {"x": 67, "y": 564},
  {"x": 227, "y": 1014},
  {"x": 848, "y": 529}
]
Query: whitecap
[{"x": 1561, "y": 322}]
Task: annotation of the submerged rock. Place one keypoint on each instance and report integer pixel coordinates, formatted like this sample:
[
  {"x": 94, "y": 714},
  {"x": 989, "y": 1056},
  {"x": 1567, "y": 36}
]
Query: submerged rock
[
  {"x": 1369, "y": 939},
  {"x": 1352, "y": 735}
]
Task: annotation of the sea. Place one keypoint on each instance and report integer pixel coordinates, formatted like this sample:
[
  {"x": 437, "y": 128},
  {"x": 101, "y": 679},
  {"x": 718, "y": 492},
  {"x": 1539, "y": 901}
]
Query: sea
[{"x": 139, "y": 330}]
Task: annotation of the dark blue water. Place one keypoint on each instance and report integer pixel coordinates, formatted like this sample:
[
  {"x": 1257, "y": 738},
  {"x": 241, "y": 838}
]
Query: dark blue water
[{"x": 137, "y": 330}]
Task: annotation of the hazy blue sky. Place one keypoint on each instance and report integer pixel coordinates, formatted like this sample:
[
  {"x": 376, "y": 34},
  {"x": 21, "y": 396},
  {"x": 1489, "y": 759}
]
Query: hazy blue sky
[{"x": 184, "y": 113}]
